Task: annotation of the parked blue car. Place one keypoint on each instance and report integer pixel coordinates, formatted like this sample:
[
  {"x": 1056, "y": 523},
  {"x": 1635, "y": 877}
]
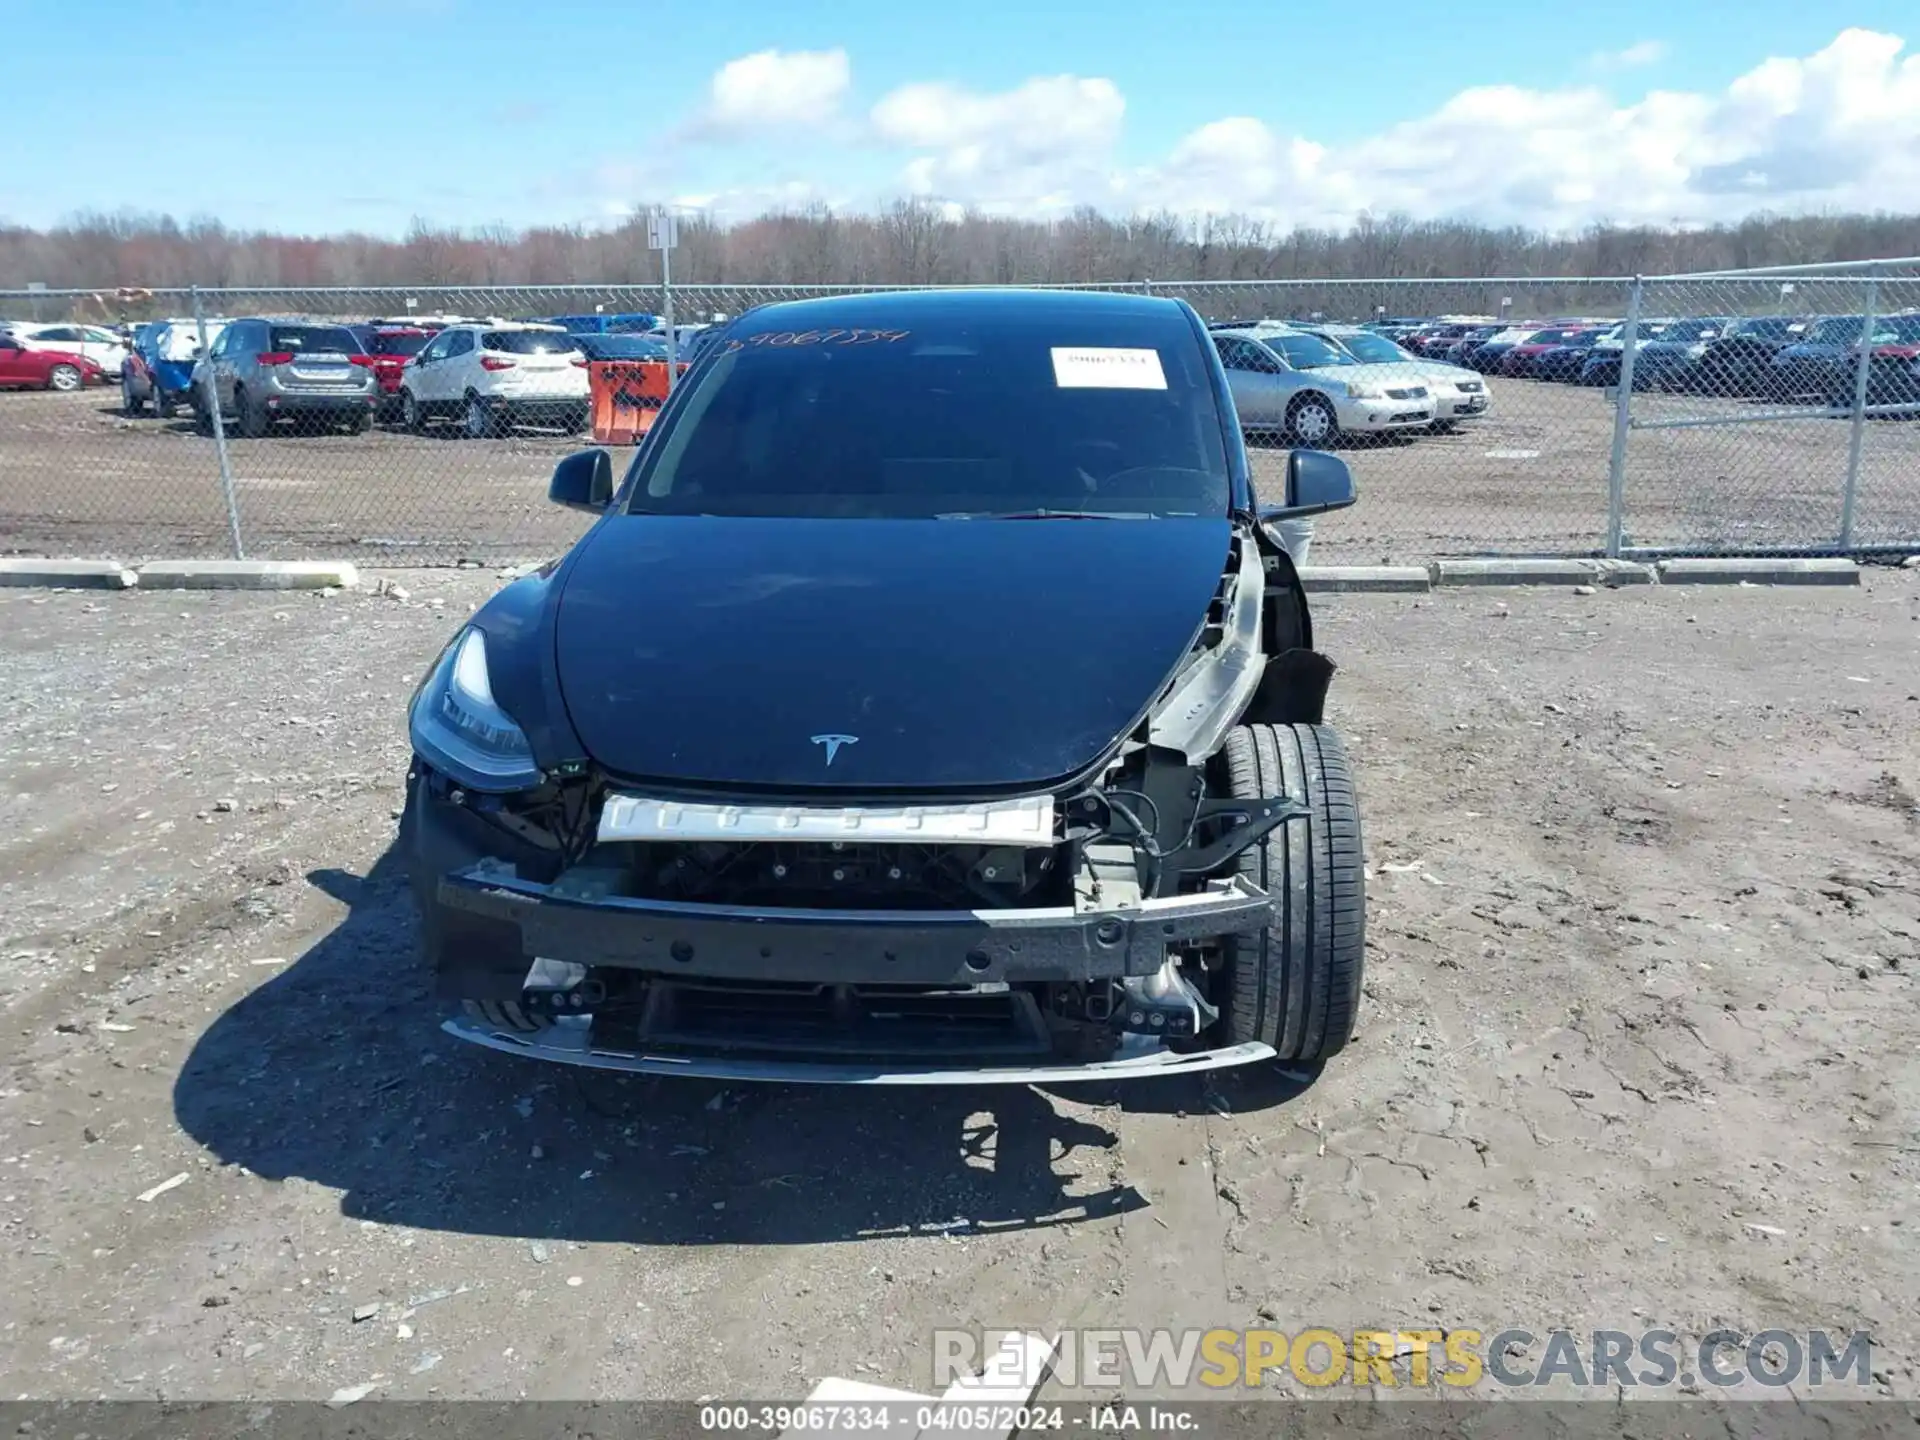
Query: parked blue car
[
  {"x": 1820, "y": 367},
  {"x": 159, "y": 366},
  {"x": 603, "y": 324}
]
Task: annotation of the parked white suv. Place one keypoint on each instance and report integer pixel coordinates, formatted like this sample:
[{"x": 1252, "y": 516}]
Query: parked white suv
[
  {"x": 490, "y": 376},
  {"x": 103, "y": 347}
]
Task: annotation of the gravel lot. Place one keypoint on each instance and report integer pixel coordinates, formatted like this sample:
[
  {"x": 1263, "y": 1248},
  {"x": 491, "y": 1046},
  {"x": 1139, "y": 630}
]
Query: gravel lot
[
  {"x": 1637, "y": 1048},
  {"x": 78, "y": 479}
]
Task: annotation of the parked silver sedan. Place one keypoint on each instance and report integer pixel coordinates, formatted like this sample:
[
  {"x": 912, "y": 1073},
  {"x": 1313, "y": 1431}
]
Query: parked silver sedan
[
  {"x": 1308, "y": 391},
  {"x": 1458, "y": 393}
]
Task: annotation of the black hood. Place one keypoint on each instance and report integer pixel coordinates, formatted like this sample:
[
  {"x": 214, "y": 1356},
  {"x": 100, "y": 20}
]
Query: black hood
[{"x": 949, "y": 654}]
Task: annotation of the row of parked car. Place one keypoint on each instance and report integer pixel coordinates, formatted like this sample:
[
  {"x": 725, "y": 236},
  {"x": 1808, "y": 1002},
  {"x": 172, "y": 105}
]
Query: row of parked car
[
  {"x": 1806, "y": 358},
  {"x": 1308, "y": 384},
  {"x": 485, "y": 374},
  {"x": 57, "y": 357}
]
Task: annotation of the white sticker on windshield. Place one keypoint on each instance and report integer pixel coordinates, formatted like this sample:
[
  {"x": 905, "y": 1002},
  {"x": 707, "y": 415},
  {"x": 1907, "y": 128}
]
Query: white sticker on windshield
[{"x": 1095, "y": 368}]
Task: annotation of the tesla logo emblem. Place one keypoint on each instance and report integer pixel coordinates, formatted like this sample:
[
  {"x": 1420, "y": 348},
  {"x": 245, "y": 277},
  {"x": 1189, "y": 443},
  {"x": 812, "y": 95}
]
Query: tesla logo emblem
[{"x": 834, "y": 742}]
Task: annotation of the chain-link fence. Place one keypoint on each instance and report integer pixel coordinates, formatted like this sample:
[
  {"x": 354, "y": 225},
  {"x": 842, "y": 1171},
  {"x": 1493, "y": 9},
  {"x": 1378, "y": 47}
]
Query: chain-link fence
[{"x": 1756, "y": 412}]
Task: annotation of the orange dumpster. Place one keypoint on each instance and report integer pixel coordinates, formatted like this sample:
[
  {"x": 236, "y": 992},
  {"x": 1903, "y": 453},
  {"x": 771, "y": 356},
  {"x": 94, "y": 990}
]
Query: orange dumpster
[{"x": 626, "y": 395}]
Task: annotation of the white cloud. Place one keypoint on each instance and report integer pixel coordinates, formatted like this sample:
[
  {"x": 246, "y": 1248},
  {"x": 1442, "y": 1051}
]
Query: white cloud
[
  {"x": 772, "y": 90},
  {"x": 1836, "y": 130},
  {"x": 1647, "y": 52},
  {"x": 1041, "y": 146}
]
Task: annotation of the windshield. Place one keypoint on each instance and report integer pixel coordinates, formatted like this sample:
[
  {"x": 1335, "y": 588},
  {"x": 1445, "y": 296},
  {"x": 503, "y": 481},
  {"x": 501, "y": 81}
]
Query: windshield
[
  {"x": 402, "y": 344},
  {"x": 1106, "y": 415},
  {"x": 622, "y": 347},
  {"x": 1897, "y": 330},
  {"x": 1838, "y": 330},
  {"x": 313, "y": 339},
  {"x": 530, "y": 342},
  {"x": 1373, "y": 349},
  {"x": 1768, "y": 328},
  {"x": 1308, "y": 352},
  {"x": 1692, "y": 330}
]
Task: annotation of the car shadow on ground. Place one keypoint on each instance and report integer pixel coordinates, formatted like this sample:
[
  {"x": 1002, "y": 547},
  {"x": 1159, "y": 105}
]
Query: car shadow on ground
[{"x": 335, "y": 1071}]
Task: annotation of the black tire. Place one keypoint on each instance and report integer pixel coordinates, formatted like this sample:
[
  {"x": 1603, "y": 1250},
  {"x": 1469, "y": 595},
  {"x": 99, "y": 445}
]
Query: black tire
[
  {"x": 1312, "y": 422},
  {"x": 66, "y": 379},
  {"x": 360, "y": 423},
  {"x": 478, "y": 422},
  {"x": 1296, "y": 985},
  {"x": 508, "y": 1015},
  {"x": 162, "y": 406},
  {"x": 249, "y": 419},
  {"x": 413, "y": 415},
  {"x": 202, "y": 420},
  {"x": 129, "y": 406}
]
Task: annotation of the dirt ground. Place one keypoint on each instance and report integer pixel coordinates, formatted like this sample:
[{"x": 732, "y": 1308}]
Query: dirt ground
[
  {"x": 76, "y": 478},
  {"x": 1637, "y": 1046}
]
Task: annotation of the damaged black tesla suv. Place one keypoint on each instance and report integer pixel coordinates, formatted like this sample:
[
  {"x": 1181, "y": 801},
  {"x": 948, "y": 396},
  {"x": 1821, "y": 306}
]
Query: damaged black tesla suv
[{"x": 933, "y": 700}]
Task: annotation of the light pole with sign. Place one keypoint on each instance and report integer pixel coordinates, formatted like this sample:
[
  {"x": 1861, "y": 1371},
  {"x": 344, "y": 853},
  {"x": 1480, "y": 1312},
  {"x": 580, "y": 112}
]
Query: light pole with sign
[{"x": 663, "y": 233}]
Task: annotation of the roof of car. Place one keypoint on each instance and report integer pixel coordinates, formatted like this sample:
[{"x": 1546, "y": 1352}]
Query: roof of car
[{"x": 882, "y": 309}]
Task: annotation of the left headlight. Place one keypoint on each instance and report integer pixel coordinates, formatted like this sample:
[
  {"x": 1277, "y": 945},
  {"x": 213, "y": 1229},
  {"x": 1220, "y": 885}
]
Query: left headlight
[
  {"x": 1361, "y": 390},
  {"x": 457, "y": 726}
]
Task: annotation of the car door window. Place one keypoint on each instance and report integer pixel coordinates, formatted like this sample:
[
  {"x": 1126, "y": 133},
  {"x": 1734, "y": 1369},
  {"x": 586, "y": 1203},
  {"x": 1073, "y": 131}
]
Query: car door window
[
  {"x": 459, "y": 344},
  {"x": 1262, "y": 360},
  {"x": 1245, "y": 355},
  {"x": 60, "y": 335},
  {"x": 436, "y": 349}
]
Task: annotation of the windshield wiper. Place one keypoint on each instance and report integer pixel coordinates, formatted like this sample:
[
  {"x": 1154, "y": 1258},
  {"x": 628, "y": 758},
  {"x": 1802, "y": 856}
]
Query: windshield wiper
[{"x": 1045, "y": 515}]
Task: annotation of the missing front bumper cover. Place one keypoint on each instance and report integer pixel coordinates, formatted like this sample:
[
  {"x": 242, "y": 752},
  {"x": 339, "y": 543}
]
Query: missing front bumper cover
[{"x": 913, "y": 947}]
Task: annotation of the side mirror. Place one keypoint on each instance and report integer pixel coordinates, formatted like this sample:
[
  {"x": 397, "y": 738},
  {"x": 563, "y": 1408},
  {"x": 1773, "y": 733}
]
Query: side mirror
[
  {"x": 1316, "y": 482},
  {"x": 583, "y": 481}
]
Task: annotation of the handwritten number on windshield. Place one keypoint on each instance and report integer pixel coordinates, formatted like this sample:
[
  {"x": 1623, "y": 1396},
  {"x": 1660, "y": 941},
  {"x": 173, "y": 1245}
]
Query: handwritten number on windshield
[{"x": 793, "y": 338}]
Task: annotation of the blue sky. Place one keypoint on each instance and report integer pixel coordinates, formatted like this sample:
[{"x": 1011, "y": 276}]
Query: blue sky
[{"x": 362, "y": 114}]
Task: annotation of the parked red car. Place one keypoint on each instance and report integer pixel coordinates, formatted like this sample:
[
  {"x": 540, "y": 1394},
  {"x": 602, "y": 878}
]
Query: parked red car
[
  {"x": 1525, "y": 360},
  {"x": 24, "y": 369},
  {"x": 391, "y": 346}
]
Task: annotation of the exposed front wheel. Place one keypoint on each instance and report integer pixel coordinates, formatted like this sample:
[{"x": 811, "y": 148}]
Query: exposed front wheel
[
  {"x": 1312, "y": 423},
  {"x": 65, "y": 378},
  {"x": 412, "y": 416},
  {"x": 1296, "y": 984}
]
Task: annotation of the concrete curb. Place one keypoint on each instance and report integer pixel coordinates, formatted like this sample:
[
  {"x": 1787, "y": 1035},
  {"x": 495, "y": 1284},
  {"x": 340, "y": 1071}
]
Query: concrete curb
[
  {"x": 248, "y": 575},
  {"x": 1733, "y": 571},
  {"x": 1363, "y": 579},
  {"x": 1624, "y": 572},
  {"x": 68, "y": 574},
  {"x": 1516, "y": 572}
]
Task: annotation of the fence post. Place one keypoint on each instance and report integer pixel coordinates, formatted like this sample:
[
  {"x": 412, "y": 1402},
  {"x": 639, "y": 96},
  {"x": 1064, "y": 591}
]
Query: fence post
[
  {"x": 1861, "y": 370},
  {"x": 212, "y": 402},
  {"x": 1146, "y": 287},
  {"x": 1622, "y": 423},
  {"x": 666, "y": 315}
]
